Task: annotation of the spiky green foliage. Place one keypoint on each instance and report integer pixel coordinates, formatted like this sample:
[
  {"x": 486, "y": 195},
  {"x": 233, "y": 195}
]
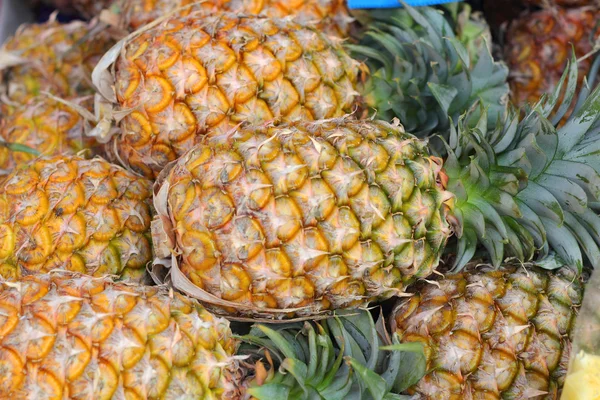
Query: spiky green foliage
[
  {"x": 426, "y": 75},
  {"x": 530, "y": 186},
  {"x": 346, "y": 357}
]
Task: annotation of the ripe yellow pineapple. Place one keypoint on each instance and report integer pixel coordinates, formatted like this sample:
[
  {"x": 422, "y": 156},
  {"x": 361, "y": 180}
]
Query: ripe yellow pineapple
[
  {"x": 491, "y": 334},
  {"x": 185, "y": 79},
  {"x": 203, "y": 75},
  {"x": 66, "y": 212},
  {"x": 71, "y": 336},
  {"x": 52, "y": 57},
  {"x": 330, "y": 16},
  {"x": 45, "y": 125},
  {"x": 322, "y": 216}
]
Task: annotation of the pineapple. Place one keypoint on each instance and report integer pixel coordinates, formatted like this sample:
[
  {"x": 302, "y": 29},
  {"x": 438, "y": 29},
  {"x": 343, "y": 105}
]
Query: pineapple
[
  {"x": 73, "y": 336},
  {"x": 304, "y": 218},
  {"x": 45, "y": 125},
  {"x": 330, "y": 16},
  {"x": 52, "y": 57},
  {"x": 66, "y": 212},
  {"x": 200, "y": 75},
  {"x": 492, "y": 333},
  {"x": 311, "y": 216},
  {"x": 67, "y": 335},
  {"x": 538, "y": 46}
]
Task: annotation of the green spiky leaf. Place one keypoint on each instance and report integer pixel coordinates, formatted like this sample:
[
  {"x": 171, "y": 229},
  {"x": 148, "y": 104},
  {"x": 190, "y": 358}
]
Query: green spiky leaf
[
  {"x": 427, "y": 68},
  {"x": 312, "y": 367}
]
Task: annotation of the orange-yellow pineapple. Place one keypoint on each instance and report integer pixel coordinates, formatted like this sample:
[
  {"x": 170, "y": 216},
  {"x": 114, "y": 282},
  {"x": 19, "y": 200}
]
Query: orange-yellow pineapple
[
  {"x": 538, "y": 45},
  {"x": 319, "y": 216},
  {"x": 53, "y": 57},
  {"x": 328, "y": 15},
  {"x": 492, "y": 334},
  {"x": 44, "y": 125},
  {"x": 70, "y": 336},
  {"x": 202, "y": 75},
  {"x": 66, "y": 212}
]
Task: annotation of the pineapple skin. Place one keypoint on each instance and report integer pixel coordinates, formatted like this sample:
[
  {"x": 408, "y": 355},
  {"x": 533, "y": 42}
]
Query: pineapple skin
[
  {"x": 491, "y": 334},
  {"x": 47, "y": 126},
  {"x": 538, "y": 46},
  {"x": 70, "y": 336},
  {"x": 59, "y": 59},
  {"x": 66, "y": 212},
  {"x": 195, "y": 76},
  {"x": 330, "y": 16},
  {"x": 317, "y": 216}
]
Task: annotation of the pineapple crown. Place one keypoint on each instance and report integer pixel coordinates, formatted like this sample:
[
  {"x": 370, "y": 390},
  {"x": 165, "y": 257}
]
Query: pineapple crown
[
  {"x": 348, "y": 356},
  {"x": 424, "y": 74},
  {"x": 529, "y": 186}
]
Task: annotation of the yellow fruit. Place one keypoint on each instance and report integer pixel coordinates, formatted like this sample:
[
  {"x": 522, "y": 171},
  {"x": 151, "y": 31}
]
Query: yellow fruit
[
  {"x": 46, "y": 126},
  {"x": 314, "y": 216},
  {"x": 193, "y": 77},
  {"x": 65, "y": 335},
  {"x": 66, "y": 212},
  {"x": 583, "y": 380},
  {"x": 491, "y": 334},
  {"x": 203, "y": 74},
  {"x": 56, "y": 58},
  {"x": 328, "y": 15}
]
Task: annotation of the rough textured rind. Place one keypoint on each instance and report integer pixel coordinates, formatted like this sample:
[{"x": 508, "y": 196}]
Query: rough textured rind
[
  {"x": 66, "y": 212},
  {"x": 57, "y": 58},
  {"x": 491, "y": 334},
  {"x": 201, "y": 75},
  {"x": 305, "y": 217},
  {"x": 44, "y": 125},
  {"x": 69, "y": 336},
  {"x": 330, "y": 16}
]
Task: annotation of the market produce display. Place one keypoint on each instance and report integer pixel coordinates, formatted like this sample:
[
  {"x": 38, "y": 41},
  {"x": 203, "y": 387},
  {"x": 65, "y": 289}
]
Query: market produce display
[{"x": 293, "y": 200}]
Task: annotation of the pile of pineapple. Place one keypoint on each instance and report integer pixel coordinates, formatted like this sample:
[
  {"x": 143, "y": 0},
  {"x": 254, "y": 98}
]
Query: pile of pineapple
[{"x": 201, "y": 200}]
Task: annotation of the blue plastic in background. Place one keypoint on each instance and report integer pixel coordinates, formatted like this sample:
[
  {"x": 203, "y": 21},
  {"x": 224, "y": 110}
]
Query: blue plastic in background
[{"x": 353, "y": 4}]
